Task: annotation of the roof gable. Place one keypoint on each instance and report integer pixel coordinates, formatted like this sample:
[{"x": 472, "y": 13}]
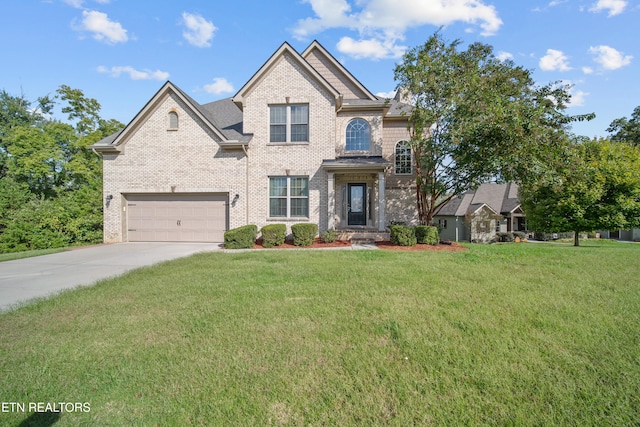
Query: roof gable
[
  {"x": 283, "y": 50},
  {"x": 115, "y": 142},
  {"x": 334, "y": 72}
]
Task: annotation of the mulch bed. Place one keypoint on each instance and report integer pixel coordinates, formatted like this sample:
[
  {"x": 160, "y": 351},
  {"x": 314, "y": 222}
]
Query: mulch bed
[{"x": 452, "y": 247}]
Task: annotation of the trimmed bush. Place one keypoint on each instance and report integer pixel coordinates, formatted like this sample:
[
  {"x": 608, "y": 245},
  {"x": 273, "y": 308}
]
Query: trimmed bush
[
  {"x": 505, "y": 237},
  {"x": 427, "y": 234},
  {"x": 273, "y": 235},
  {"x": 241, "y": 238},
  {"x": 329, "y": 236},
  {"x": 304, "y": 233},
  {"x": 403, "y": 235}
]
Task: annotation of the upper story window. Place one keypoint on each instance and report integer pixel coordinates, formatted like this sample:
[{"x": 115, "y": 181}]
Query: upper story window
[
  {"x": 289, "y": 123},
  {"x": 358, "y": 135},
  {"x": 173, "y": 120},
  {"x": 402, "y": 158}
]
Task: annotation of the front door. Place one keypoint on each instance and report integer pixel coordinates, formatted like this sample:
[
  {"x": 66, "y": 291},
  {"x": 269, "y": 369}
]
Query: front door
[{"x": 357, "y": 204}]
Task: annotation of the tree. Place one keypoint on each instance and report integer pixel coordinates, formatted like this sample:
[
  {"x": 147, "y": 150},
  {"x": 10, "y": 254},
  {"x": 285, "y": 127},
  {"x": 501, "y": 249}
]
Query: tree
[
  {"x": 626, "y": 130},
  {"x": 596, "y": 185},
  {"x": 474, "y": 118},
  {"x": 50, "y": 181}
]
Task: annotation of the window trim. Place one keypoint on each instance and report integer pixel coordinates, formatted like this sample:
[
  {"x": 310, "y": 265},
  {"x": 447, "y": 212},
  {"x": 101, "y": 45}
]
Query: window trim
[
  {"x": 288, "y": 124},
  {"x": 289, "y": 197},
  {"x": 395, "y": 158},
  {"x": 346, "y": 137}
]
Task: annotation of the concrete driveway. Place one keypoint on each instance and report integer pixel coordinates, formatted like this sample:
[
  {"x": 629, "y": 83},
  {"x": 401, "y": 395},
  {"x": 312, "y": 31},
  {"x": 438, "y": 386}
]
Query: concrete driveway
[{"x": 24, "y": 279}]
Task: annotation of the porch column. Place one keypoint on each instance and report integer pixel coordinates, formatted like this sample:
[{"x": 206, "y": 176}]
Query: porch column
[
  {"x": 331, "y": 201},
  {"x": 381, "y": 203}
]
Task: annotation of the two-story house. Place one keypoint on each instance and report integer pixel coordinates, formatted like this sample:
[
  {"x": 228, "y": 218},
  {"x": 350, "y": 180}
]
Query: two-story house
[{"x": 302, "y": 141}]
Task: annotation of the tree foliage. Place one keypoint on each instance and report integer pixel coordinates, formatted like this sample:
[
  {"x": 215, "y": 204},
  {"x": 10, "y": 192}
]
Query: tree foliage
[
  {"x": 626, "y": 130},
  {"x": 50, "y": 181},
  {"x": 474, "y": 118},
  {"x": 594, "y": 186}
]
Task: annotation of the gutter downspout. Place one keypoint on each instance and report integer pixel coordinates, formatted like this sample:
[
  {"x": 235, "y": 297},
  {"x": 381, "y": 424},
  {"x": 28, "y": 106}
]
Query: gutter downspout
[{"x": 246, "y": 184}]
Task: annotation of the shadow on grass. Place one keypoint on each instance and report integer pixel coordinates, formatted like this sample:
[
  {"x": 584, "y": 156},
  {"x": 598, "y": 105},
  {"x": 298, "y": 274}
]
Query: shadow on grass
[{"x": 41, "y": 419}]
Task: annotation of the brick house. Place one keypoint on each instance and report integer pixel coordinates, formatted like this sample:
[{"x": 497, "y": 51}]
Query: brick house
[{"x": 302, "y": 141}]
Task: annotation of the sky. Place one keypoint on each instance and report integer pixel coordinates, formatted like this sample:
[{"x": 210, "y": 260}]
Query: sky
[{"x": 120, "y": 52}]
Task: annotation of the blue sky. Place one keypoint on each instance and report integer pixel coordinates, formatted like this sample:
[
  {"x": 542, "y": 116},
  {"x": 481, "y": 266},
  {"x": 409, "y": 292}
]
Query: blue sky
[{"x": 121, "y": 52}]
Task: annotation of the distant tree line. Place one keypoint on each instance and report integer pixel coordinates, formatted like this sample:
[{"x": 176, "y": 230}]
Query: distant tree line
[{"x": 50, "y": 181}]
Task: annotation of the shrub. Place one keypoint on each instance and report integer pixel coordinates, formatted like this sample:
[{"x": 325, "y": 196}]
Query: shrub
[
  {"x": 273, "y": 235},
  {"x": 241, "y": 238},
  {"x": 520, "y": 234},
  {"x": 304, "y": 233},
  {"x": 505, "y": 237},
  {"x": 427, "y": 234},
  {"x": 403, "y": 235},
  {"x": 329, "y": 236}
]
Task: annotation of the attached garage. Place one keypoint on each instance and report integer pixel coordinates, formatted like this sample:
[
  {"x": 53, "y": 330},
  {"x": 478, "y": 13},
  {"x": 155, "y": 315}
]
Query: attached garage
[{"x": 176, "y": 217}]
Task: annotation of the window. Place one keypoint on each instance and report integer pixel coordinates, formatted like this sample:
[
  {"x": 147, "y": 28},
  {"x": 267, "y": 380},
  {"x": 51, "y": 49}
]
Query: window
[
  {"x": 289, "y": 123},
  {"x": 442, "y": 223},
  {"x": 403, "y": 158},
  {"x": 358, "y": 135},
  {"x": 288, "y": 196},
  {"x": 173, "y": 120}
]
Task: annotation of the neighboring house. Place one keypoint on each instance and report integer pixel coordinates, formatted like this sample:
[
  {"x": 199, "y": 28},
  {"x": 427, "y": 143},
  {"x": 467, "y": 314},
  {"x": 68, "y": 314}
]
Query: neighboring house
[
  {"x": 632, "y": 235},
  {"x": 477, "y": 215},
  {"x": 302, "y": 141}
]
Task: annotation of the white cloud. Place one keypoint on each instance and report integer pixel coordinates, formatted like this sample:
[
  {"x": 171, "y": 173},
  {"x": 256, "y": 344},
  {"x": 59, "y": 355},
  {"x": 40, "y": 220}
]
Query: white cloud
[
  {"x": 609, "y": 58},
  {"x": 219, "y": 85},
  {"x": 199, "y": 31},
  {"x": 102, "y": 28},
  {"x": 133, "y": 73},
  {"x": 554, "y": 60},
  {"x": 389, "y": 95},
  {"x": 381, "y": 24},
  {"x": 74, "y": 3},
  {"x": 372, "y": 48},
  {"x": 578, "y": 98},
  {"x": 587, "y": 70},
  {"x": 503, "y": 56},
  {"x": 615, "y": 7}
]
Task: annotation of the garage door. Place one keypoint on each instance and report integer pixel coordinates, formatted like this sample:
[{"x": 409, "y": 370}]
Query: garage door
[{"x": 176, "y": 217}]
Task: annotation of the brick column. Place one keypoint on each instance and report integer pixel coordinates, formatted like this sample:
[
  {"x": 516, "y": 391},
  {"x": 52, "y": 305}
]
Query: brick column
[
  {"x": 331, "y": 201},
  {"x": 381, "y": 203}
]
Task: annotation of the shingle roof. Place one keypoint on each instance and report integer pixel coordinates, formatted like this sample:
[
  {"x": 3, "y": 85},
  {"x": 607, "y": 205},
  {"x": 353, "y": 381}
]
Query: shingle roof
[
  {"x": 227, "y": 117},
  {"x": 502, "y": 198}
]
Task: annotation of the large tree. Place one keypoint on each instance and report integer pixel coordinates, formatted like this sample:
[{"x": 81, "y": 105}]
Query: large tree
[
  {"x": 595, "y": 185},
  {"x": 474, "y": 118},
  {"x": 50, "y": 182},
  {"x": 626, "y": 130}
]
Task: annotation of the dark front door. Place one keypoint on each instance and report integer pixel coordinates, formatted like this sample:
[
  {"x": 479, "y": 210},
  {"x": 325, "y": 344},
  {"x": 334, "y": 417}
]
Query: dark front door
[{"x": 357, "y": 204}]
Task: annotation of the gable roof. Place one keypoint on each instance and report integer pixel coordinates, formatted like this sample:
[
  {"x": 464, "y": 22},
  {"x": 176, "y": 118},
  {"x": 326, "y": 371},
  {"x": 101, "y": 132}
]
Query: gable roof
[
  {"x": 316, "y": 46},
  {"x": 285, "y": 48},
  {"x": 501, "y": 198},
  {"x": 220, "y": 118}
]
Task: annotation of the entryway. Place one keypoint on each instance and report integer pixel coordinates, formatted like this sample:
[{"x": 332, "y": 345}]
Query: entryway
[{"x": 357, "y": 204}]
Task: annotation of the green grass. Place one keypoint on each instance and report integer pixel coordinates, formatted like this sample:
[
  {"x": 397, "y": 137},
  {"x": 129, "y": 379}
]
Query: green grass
[
  {"x": 28, "y": 254},
  {"x": 517, "y": 334}
]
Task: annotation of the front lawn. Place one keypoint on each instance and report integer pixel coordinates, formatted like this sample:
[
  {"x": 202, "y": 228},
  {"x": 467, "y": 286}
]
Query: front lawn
[{"x": 517, "y": 334}]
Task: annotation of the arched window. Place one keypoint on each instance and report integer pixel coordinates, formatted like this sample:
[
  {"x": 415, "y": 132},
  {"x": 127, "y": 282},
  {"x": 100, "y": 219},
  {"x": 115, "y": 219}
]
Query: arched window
[
  {"x": 173, "y": 120},
  {"x": 358, "y": 135},
  {"x": 403, "y": 158}
]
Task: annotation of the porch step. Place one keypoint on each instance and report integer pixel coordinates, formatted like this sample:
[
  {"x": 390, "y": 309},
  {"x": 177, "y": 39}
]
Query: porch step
[{"x": 364, "y": 236}]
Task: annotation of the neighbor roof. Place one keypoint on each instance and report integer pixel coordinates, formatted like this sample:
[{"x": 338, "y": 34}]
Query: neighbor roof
[{"x": 501, "y": 198}]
